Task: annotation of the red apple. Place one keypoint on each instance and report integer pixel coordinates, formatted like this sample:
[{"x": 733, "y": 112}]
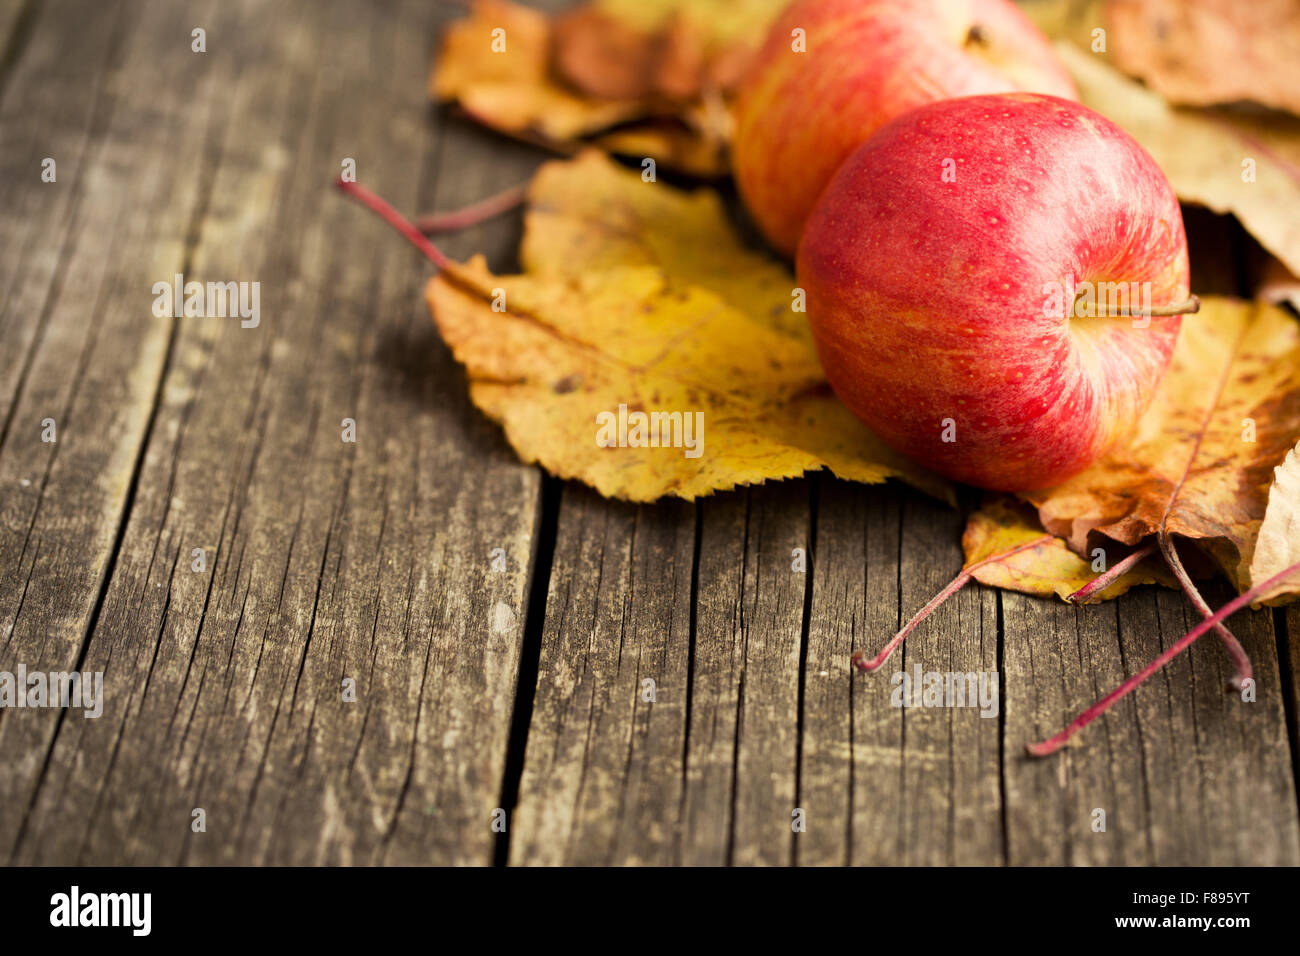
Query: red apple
[
  {"x": 949, "y": 267},
  {"x": 812, "y": 98}
]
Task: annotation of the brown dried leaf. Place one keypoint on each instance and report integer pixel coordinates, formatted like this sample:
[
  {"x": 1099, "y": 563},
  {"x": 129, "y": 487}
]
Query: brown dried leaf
[
  {"x": 512, "y": 89},
  {"x": 602, "y": 56},
  {"x": 680, "y": 65},
  {"x": 1211, "y": 51},
  {"x": 657, "y": 70}
]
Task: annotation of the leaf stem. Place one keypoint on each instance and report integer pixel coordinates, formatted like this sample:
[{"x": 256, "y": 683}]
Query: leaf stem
[
  {"x": 1053, "y": 744},
  {"x": 1107, "y": 578},
  {"x": 955, "y": 585},
  {"x": 395, "y": 219},
  {"x": 1240, "y": 659},
  {"x": 471, "y": 215}
]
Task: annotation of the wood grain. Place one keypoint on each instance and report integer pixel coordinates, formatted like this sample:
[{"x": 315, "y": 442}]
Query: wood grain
[
  {"x": 602, "y": 780},
  {"x": 325, "y": 560},
  {"x": 80, "y": 344},
  {"x": 742, "y": 758},
  {"x": 882, "y": 783},
  {"x": 1174, "y": 766}
]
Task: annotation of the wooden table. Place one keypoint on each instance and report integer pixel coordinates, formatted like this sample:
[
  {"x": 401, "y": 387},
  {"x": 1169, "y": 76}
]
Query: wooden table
[{"x": 477, "y": 689}]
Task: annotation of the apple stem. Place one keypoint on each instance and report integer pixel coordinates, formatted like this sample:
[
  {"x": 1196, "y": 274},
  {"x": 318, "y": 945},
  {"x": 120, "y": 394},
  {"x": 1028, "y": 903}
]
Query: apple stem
[
  {"x": 1105, "y": 579},
  {"x": 1186, "y": 307},
  {"x": 955, "y": 585},
  {"x": 473, "y": 214},
  {"x": 395, "y": 219},
  {"x": 1053, "y": 744},
  {"x": 1240, "y": 659}
]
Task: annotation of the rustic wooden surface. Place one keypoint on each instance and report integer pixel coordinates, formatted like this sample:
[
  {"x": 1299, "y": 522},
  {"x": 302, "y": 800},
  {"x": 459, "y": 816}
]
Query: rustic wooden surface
[{"x": 522, "y": 689}]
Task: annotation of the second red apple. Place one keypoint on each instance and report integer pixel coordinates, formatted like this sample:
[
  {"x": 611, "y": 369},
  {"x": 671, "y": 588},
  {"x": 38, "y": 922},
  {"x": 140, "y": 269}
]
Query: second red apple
[{"x": 832, "y": 72}]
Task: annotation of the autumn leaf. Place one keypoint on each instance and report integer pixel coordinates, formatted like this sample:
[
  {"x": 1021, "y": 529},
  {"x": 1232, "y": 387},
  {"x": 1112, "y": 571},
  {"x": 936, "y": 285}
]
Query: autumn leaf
[
  {"x": 725, "y": 24},
  {"x": 1201, "y": 462},
  {"x": 644, "y": 78},
  {"x": 682, "y": 47},
  {"x": 698, "y": 149},
  {"x": 1210, "y": 51},
  {"x": 511, "y": 88},
  {"x": 591, "y": 216},
  {"x": 1024, "y": 559},
  {"x": 1277, "y": 546},
  {"x": 637, "y": 299},
  {"x": 602, "y": 55}
]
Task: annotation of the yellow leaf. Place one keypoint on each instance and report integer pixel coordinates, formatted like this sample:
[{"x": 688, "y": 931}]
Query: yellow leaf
[
  {"x": 618, "y": 313},
  {"x": 1278, "y": 545},
  {"x": 590, "y": 216},
  {"x": 1201, "y": 462},
  {"x": 1228, "y": 161},
  {"x": 1047, "y": 566}
]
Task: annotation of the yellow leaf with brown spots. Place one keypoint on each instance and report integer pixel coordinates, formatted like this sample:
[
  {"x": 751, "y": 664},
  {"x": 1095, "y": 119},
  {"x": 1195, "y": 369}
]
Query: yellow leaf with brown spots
[
  {"x": 635, "y": 300},
  {"x": 1006, "y": 547},
  {"x": 1201, "y": 462}
]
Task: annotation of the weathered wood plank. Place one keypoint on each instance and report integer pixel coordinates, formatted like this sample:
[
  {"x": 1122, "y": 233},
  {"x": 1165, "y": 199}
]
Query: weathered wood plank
[
  {"x": 79, "y": 343},
  {"x": 602, "y": 779},
  {"x": 881, "y": 783},
  {"x": 742, "y": 760},
  {"x": 610, "y": 777},
  {"x": 1186, "y": 773},
  {"x": 16, "y": 19},
  {"x": 325, "y": 560}
]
